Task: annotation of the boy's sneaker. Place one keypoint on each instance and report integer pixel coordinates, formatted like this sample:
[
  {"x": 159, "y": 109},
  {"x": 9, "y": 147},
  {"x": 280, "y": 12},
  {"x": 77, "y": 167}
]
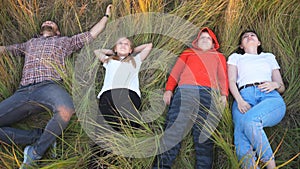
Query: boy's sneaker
[
  {"x": 53, "y": 150},
  {"x": 29, "y": 157}
]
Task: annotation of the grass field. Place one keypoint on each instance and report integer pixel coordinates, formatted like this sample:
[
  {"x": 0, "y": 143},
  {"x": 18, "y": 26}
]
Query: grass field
[{"x": 277, "y": 23}]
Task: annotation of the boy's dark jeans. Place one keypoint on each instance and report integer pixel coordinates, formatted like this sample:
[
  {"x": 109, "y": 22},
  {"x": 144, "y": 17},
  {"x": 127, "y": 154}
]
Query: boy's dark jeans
[{"x": 188, "y": 111}]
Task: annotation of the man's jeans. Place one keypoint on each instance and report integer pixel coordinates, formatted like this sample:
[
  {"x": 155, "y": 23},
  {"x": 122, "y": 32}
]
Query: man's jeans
[
  {"x": 267, "y": 110},
  {"x": 188, "y": 111},
  {"x": 29, "y": 100}
]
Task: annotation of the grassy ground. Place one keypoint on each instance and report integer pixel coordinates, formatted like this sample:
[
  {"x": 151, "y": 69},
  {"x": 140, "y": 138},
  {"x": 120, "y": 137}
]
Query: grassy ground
[{"x": 277, "y": 22}]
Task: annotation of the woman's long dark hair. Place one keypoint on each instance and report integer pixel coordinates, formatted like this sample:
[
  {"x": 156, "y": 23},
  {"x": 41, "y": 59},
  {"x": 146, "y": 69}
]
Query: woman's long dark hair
[{"x": 239, "y": 50}]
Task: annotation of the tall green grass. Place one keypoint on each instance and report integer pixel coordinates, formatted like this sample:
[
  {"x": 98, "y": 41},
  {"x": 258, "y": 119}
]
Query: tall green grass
[{"x": 277, "y": 23}]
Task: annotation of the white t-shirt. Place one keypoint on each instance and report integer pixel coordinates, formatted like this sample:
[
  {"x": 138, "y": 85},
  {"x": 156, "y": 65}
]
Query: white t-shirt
[
  {"x": 121, "y": 75},
  {"x": 253, "y": 68}
]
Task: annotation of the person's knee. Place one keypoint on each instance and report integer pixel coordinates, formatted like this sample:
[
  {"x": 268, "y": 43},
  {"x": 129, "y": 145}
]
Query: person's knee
[
  {"x": 252, "y": 127},
  {"x": 65, "y": 113}
]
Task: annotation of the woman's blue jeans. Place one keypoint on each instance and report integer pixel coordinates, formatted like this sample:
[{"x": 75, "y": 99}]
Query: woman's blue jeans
[
  {"x": 267, "y": 110},
  {"x": 189, "y": 110},
  {"x": 30, "y": 100}
]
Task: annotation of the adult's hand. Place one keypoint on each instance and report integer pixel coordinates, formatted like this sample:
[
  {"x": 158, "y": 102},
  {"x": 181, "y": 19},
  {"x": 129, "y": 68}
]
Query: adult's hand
[
  {"x": 243, "y": 106},
  {"x": 269, "y": 86},
  {"x": 108, "y": 10}
]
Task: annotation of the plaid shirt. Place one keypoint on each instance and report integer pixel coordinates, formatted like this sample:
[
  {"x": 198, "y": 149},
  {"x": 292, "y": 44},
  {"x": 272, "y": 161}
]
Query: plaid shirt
[{"x": 44, "y": 56}]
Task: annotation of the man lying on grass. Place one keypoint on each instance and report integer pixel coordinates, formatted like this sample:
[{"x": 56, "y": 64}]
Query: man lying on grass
[{"x": 40, "y": 87}]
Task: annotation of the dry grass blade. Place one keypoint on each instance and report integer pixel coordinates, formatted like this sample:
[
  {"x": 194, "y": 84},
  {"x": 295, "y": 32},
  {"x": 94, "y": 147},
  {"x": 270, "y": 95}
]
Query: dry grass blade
[{"x": 277, "y": 23}]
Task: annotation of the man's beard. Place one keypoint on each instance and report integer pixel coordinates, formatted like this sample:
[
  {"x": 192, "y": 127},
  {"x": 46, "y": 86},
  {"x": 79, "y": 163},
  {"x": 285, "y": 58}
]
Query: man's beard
[{"x": 48, "y": 29}]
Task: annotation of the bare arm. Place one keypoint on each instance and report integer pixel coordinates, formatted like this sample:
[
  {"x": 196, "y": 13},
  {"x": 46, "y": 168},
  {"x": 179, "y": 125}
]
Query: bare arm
[
  {"x": 275, "y": 84},
  {"x": 100, "y": 26},
  {"x": 232, "y": 75},
  {"x": 243, "y": 106},
  {"x": 144, "y": 50},
  {"x": 276, "y": 77},
  {"x": 102, "y": 54}
]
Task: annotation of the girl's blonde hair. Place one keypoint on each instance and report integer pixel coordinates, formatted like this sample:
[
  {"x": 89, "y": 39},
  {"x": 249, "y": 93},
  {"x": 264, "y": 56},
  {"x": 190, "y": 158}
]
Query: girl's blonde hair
[{"x": 128, "y": 58}]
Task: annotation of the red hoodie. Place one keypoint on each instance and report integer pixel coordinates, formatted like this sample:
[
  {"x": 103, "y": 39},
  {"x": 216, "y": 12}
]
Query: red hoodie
[{"x": 200, "y": 68}]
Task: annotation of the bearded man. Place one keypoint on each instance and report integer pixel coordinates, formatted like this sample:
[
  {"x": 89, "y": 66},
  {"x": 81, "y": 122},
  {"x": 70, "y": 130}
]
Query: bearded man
[{"x": 40, "y": 88}]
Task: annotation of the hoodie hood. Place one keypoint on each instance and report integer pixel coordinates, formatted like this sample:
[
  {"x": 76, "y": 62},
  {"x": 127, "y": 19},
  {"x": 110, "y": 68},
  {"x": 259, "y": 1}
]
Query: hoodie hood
[{"x": 212, "y": 35}]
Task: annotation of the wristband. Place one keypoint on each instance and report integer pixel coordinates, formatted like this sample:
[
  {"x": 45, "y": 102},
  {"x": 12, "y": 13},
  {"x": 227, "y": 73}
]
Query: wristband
[{"x": 106, "y": 15}]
